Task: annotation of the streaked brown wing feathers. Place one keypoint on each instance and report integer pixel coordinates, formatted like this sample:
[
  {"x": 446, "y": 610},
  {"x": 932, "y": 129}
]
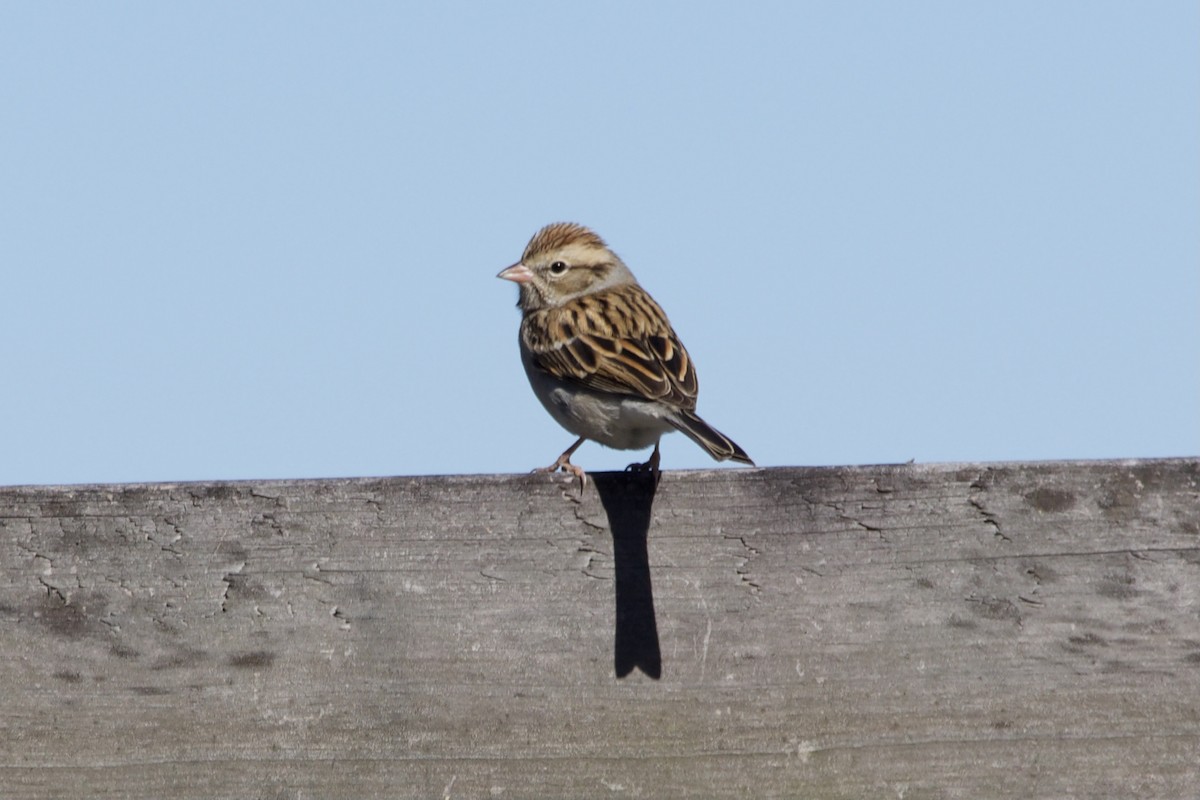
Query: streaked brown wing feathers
[{"x": 617, "y": 341}]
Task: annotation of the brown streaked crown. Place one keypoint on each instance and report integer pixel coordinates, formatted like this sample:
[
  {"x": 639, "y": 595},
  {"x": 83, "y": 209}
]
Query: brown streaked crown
[{"x": 557, "y": 235}]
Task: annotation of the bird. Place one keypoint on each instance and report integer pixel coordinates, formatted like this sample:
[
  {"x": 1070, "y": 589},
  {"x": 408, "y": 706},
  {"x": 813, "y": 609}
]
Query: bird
[{"x": 600, "y": 353}]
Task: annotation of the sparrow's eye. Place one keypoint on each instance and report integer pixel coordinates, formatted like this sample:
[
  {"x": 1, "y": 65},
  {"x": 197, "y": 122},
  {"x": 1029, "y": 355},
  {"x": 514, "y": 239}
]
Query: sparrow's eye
[{"x": 558, "y": 268}]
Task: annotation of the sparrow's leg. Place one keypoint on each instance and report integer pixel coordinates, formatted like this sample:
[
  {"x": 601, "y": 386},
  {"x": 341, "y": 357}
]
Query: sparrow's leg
[
  {"x": 564, "y": 463},
  {"x": 650, "y": 466}
]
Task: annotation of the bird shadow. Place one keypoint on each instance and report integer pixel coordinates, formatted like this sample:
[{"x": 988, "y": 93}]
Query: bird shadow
[{"x": 628, "y": 498}]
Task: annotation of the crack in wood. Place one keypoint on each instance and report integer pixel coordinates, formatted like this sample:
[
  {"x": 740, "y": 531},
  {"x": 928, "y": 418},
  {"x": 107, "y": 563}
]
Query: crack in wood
[
  {"x": 979, "y": 488},
  {"x": 229, "y": 579}
]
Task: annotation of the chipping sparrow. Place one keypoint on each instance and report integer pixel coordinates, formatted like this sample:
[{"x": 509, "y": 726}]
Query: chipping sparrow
[{"x": 600, "y": 353}]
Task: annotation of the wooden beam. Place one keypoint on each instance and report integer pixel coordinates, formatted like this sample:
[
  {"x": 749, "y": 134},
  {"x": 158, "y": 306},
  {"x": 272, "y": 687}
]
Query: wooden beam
[{"x": 915, "y": 631}]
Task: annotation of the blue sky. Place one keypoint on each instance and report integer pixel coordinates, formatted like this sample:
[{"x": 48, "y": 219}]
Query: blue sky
[{"x": 259, "y": 240}]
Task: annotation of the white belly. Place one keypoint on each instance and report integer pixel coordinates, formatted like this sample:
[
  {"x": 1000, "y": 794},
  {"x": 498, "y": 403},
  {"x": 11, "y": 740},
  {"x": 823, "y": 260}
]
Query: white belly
[{"x": 616, "y": 421}]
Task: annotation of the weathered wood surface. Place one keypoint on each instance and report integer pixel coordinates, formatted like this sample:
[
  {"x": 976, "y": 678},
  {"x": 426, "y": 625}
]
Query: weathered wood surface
[{"x": 1023, "y": 630}]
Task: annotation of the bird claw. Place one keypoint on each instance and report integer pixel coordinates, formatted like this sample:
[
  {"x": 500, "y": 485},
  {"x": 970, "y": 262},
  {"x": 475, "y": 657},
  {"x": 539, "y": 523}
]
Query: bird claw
[
  {"x": 564, "y": 463},
  {"x": 651, "y": 464}
]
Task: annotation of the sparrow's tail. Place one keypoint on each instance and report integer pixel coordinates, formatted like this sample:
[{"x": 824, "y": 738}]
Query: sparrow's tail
[{"x": 715, "y": 443}]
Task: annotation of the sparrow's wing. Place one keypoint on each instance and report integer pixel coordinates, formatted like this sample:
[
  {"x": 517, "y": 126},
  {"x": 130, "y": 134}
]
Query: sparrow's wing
[{"x": 616, "y": 341}]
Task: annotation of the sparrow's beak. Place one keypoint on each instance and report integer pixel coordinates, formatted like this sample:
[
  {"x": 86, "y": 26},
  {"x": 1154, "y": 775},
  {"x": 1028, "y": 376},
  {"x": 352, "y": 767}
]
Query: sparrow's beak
[{"x": 517, "y": 273}]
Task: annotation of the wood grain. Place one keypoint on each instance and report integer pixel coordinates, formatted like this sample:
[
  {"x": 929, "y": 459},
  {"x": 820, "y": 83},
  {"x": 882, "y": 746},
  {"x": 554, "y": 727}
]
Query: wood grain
[{"x": 914, "y": 631}]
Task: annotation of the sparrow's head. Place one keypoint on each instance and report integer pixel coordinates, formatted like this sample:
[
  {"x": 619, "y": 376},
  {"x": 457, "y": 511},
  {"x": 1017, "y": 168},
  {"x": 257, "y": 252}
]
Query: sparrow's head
[{"x": 564, "y": 261}]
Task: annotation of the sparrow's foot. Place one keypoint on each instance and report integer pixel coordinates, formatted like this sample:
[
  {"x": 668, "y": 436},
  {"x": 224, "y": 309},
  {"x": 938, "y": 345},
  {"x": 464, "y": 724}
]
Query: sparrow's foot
[
  {"x": 564, "y": 463},
  {"x": 651, "y": 464},
  {"x": 578, "y": 473}
]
